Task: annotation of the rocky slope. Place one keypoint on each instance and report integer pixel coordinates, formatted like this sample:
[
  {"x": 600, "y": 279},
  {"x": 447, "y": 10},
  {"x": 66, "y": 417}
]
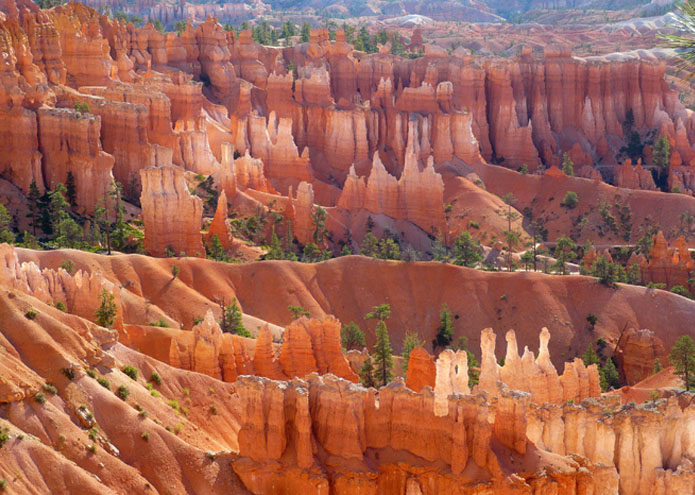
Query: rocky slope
[{"x": 260, "y": 435}]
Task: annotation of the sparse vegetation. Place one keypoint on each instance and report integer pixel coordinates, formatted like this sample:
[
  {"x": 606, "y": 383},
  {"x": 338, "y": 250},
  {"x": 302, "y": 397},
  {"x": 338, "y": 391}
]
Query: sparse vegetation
[
  {"x": 47, "y": 387},
  {"x": 104, "y": 383},
  {"x": 156, "y": 378},
  {"x": 123, "y": 392},
  {"x": 40, "y": 398},
  {"x": 131, "y": 371},
  {"x": 31, "y": 314},
  {"x": 352, "y": 337}
]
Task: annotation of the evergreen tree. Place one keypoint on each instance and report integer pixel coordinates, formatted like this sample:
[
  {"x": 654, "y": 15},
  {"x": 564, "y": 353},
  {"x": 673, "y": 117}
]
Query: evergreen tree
[
  {"x": 657, "y": 366},
  {"x": 445, "y": 331},
  {"x": 352, "y": 337},
  {"x": 467, "y": 250},
  {"x": 370, "y": 245},
  {"x": 367, "y": 373},
  {"x": 682, "y": 358},
  {"x": 297, "y": 311},
  {"x": 383, "y": 359},
  {"x": 215, "y": 250},
  {"x": 564, "y": 252},
  {"x": 567, "y": 165},
  {"x": 106, "y": 313},
  {"x": 590, "y": 357},
  {"x": 662, "y": 158},
  {"x": 232, "y": 320},
  {"x": 410, "y": 342},
  {"x": 45, "y": 213},
  {"x": 610, "y": 376},
  {"x": 306, "y": 32},
  {"x": 71, "y": 189},
  {"x": 6, "y": 234},
  {"x": 34, "y": 196},
  {"x": 318, "y": 218}
]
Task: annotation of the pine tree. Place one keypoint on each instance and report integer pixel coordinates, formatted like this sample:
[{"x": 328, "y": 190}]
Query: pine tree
[
  {"x": 445, "y": 331},
  {"x": 71, "y": 189},
  {"x": 410, "y": 342},
  {"x": 610, "y": 375},
  {"x": 564, "y": 252},
  {"x": 297, "y": 311},
  {"x": 567, "y": 165},
  {"x": 106, "y": 313},
  {"x": 232, "y": 320},
  {"x": 6, "y": 234},
  {"x": 590, "y": 357},
  {"x": 306, "y": 32},
  {"x": 383, "y": 359},
  {"x": 682, "y": 358},
  {"x": 34, "y": 196},
  {"x": 352, "y": 336},
  {"x": 657, "y": 366},
  {"x": 367, "y": 373},
  {"x": 383, "y": 354},
  {"x": 467, "y": 251}
]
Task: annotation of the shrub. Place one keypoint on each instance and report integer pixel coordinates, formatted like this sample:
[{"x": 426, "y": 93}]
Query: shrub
[
  {"x": 123, "y": 392},
  {"x": 3, "y": 485},
  {"x": 81, "y": 106},
  {"x": 161, "y": 323},
  {"x": 50, "y": 388},
  {"x": 31, "y": 314},
  {"x": 155, "y": 378},
  {"x": 104, "y": 383},
  {"x": 92, "y": 448},
  {"x": 40, "y": 398},
  {"x": 592, "y": 319},
  {"x": 131, "y": 371},
  {"x": 91, "y": 374},
  {"x": 175, "y": 270},
  {"x": 570, "y": 201},
  {"x": 69, "y": 373},
  {"x": 145, "y": 436},
  {"x": 352, "y": 337},
  {"x": 93, "y": 433},
  {"x": 680, "y": 290},
  {"x": 68, "y": 266},
  {"x": 61, "y": 306},
  {"x": 213, "y": 409},
  {"x": 174, "y": 404},
  {"x": 4, "y": 437}
]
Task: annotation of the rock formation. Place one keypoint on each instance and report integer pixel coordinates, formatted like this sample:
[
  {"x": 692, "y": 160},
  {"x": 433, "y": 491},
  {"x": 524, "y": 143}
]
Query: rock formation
[
  {"x": 633, "y": 177},
  {"x": 164, "y": 191},
  {"x": 637, "y": 353},
  {"x": 667, "y": 265},
  {"x": 220, "y": 223}
]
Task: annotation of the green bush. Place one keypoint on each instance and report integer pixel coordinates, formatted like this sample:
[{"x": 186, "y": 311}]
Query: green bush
[
  {"x": 174, "y": 404},
  {"x": 145, "y": 436},
  {"x": 570, "y": 201},
  {"x": 131, "y": 371},
  {"x": 69, "y": 373},
  {"x": 50, "y": 388},
  {"x": 31, "y": 314},
  {"x": 4, "y": 437},
  {"x": 3, "y": 485},
  {"x": 104, "y": 383},
  {"x": 91, "y": 374},
  {"x": 40, "y": 398},
  {"x": 61, "y": 306},
  {"x": 123, "y": 392},
  {"x": 155, "y": 378},
  {"x": 161, "y": 323}
]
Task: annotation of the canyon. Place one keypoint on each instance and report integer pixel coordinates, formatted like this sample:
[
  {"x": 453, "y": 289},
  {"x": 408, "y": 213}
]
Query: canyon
[{"x": 230, "y": 208}]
